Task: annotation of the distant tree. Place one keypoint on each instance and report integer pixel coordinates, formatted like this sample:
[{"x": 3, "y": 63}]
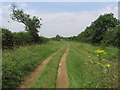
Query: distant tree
[
  {"x": 58, "y": 36},
  {"x": 31, "y": 24}
]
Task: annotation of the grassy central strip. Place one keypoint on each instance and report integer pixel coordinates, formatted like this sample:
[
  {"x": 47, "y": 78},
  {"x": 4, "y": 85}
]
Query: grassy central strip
[
  {"x": 48, "y": 77},
  {"x": 20, "y": 62}
]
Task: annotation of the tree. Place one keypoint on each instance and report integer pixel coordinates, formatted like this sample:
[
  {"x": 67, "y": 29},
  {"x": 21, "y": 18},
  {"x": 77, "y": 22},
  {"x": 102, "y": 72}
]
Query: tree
[
  {"x": 58, "y": 37},
  {"x": 95, "y": 32},
  {"x": 31, "y": 24},
  {"x": 101, "y": 25}
]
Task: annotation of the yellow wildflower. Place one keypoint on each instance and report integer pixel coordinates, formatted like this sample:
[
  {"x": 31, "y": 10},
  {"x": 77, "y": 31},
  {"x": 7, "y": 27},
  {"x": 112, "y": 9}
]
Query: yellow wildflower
[
  {"x": 99, "y": 63},
  {"x": 97, "y": 55},
  {"x": 89, "y": 56},
  {"x": 107, "y": 65},
  {"x": 99, "y": 51},
  {"x": 103, "y": 59},
  {"x": 104, "y": 53}
]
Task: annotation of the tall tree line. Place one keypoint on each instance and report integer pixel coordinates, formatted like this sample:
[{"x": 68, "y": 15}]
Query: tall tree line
[{"x": 104, "y": 30}]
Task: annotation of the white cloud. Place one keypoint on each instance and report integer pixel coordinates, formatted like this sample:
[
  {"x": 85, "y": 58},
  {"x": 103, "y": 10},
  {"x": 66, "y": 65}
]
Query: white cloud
[
  {"x": 12, "y": 25},
  {"x": 62, "y": 23},
  {"x": 110, "y": 9},
  {"x": 22, "y": 5},
  {"x": 6, "y": 10}
]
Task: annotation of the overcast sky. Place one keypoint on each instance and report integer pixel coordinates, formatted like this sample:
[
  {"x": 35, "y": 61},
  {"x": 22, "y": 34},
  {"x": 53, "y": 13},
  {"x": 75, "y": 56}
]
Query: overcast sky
[{"x": 63, "y": 18}]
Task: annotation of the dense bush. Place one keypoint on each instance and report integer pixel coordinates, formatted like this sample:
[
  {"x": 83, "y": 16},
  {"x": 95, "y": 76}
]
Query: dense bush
[
  {"x": 111, "y": 37},
  {"x": 43, "y": 39},
  {"x": 10, "y": 40},
  {"x": 7, "y": 39},
  {"x": 22, "y": 38}
]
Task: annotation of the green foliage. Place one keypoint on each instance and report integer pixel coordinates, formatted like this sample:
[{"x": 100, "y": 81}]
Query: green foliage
[
  {"x": 7, "y": 39},
  {"x": 31, "y": 24},
  {"x": 111, "y": 37},
  {"x": 101, "y": 25},
  {"x": 73, "y": 38}
]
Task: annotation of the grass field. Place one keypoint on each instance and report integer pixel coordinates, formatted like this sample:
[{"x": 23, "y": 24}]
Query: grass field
[
  {"x": 20, "y": 62},
  {"x": 85, "y": 67}
]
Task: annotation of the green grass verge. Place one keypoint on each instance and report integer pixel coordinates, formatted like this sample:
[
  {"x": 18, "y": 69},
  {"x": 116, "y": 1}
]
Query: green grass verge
[
  {"x": 83, "y": 73},
  {"x": 48, "y": 77},
  {"x": 112, "y": 52},
  {"x": 18, "y": 63}
]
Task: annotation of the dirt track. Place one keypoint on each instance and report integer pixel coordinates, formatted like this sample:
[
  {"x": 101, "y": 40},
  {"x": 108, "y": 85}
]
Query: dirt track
[
  {"x": 34, "y": 75},
  {"x": 62, "y": 77}
]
